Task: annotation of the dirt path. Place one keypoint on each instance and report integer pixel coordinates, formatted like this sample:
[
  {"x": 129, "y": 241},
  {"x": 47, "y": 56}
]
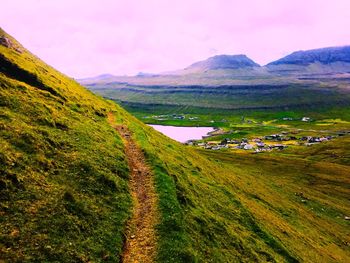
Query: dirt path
[{"x": 140, "y": 245}]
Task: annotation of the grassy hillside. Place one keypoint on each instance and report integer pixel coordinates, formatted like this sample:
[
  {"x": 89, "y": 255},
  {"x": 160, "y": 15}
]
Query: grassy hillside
[
  {"x": 63, "y": 183},
  {"x": 64, "y": 192},
  {"x": 242, "y": 207}
]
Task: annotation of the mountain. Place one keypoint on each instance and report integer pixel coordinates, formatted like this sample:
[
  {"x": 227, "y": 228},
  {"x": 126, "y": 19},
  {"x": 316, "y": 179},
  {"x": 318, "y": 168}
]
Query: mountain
[
  {"x": 231, "y": 69},
  {"x": 238, "y": 83},
  {"x": 224, "y": 62},
  {"x": 323, "y": 55},
  {"x": 221, "y": 69},
  {"x": 317, "y": 61},
  {"x": 66, "y": 190},
  {"x": 223, "y": 66}
]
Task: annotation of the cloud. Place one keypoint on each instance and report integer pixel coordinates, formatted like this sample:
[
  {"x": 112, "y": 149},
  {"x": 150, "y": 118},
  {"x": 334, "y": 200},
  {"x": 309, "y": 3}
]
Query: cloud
[{"x": 86, "y": 38}]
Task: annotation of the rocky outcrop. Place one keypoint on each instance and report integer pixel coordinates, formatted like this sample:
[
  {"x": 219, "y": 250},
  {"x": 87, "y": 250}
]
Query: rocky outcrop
[{"x": 6, "y": 42}]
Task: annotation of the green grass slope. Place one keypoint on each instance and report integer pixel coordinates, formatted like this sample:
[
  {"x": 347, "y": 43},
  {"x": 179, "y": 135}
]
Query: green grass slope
[
  {"x": 63, "y": 174},
  {"x": 227, "y": 207},
  {"x": 64, "y": 194}
]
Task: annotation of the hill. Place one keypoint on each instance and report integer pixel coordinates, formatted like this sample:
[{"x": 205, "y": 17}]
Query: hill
[
  {"x": 330, "y": 60},
  {"x": 64, "y": 177},
  {"x": 323, "y": 55},
  {"x": 65, "y": 191},
  {"x": 224, "y": 62}
]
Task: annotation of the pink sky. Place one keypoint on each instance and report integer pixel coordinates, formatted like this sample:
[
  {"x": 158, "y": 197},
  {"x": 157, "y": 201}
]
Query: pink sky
[{"x": 85, "y": 38}]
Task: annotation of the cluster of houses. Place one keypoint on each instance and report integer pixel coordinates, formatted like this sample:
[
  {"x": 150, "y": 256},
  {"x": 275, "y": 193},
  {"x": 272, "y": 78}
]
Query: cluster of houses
[
  {"x": 266, "y": 143},
  {"x": 170, "y": 116},
  {"x": 257, "y": 144},
  {"x": 305, "y": 119}
]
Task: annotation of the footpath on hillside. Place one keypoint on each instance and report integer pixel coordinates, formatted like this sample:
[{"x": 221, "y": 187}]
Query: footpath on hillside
[{"x": 141, "y": 240}]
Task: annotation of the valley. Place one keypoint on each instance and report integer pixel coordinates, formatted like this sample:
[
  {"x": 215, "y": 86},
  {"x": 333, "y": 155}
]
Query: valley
[
  {"x": 303, "y": 95},
  {"x": 83, "y": 179}
]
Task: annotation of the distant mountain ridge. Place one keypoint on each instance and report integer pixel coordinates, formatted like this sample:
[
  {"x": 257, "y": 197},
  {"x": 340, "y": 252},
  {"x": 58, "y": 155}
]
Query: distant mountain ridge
[
  {"x": 323, "y": 55},
  {"x": 330, "y": 60},
  {"x": 228, "y": 69}
]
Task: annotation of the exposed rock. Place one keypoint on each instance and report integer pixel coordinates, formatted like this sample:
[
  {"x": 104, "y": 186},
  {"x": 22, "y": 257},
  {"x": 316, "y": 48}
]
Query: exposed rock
[{"x": 6, "y": 42}]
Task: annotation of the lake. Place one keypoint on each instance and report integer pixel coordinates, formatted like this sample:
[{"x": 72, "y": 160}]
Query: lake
[{"x": 183, "y": 134}]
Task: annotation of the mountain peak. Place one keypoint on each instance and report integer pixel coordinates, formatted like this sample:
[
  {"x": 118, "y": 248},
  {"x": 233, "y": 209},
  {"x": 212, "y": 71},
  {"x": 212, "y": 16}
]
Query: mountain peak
[{"x": 224, "y": 62}]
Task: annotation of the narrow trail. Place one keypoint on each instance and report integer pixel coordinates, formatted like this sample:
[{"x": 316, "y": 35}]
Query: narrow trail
[{"x": 141, "y": 241}]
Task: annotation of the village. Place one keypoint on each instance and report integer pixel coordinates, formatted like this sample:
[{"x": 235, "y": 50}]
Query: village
[
  {"x": 174, "y": 116},
  {"x": 255, "y": 144},
  {"x": 263, "y": 144},
  {"x": 164, "y": 117}
]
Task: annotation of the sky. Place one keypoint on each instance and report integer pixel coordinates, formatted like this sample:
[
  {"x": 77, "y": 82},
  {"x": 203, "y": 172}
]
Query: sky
[{"x": 85, "y": 38}]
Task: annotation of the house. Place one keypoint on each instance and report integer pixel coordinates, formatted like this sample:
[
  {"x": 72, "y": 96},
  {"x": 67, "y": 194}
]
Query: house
[
  {"x": 225, "y": 141},
  {"x": 273, "y": 137},
  {"x": 311, "y": 139},
  {"x": 189, "y": 143},
  {"x": 218, "y": 147},
  {"x": 260, "y": 144},
  {"x": 248, "y": 147},
  {"x": 279, "y": 146}
]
